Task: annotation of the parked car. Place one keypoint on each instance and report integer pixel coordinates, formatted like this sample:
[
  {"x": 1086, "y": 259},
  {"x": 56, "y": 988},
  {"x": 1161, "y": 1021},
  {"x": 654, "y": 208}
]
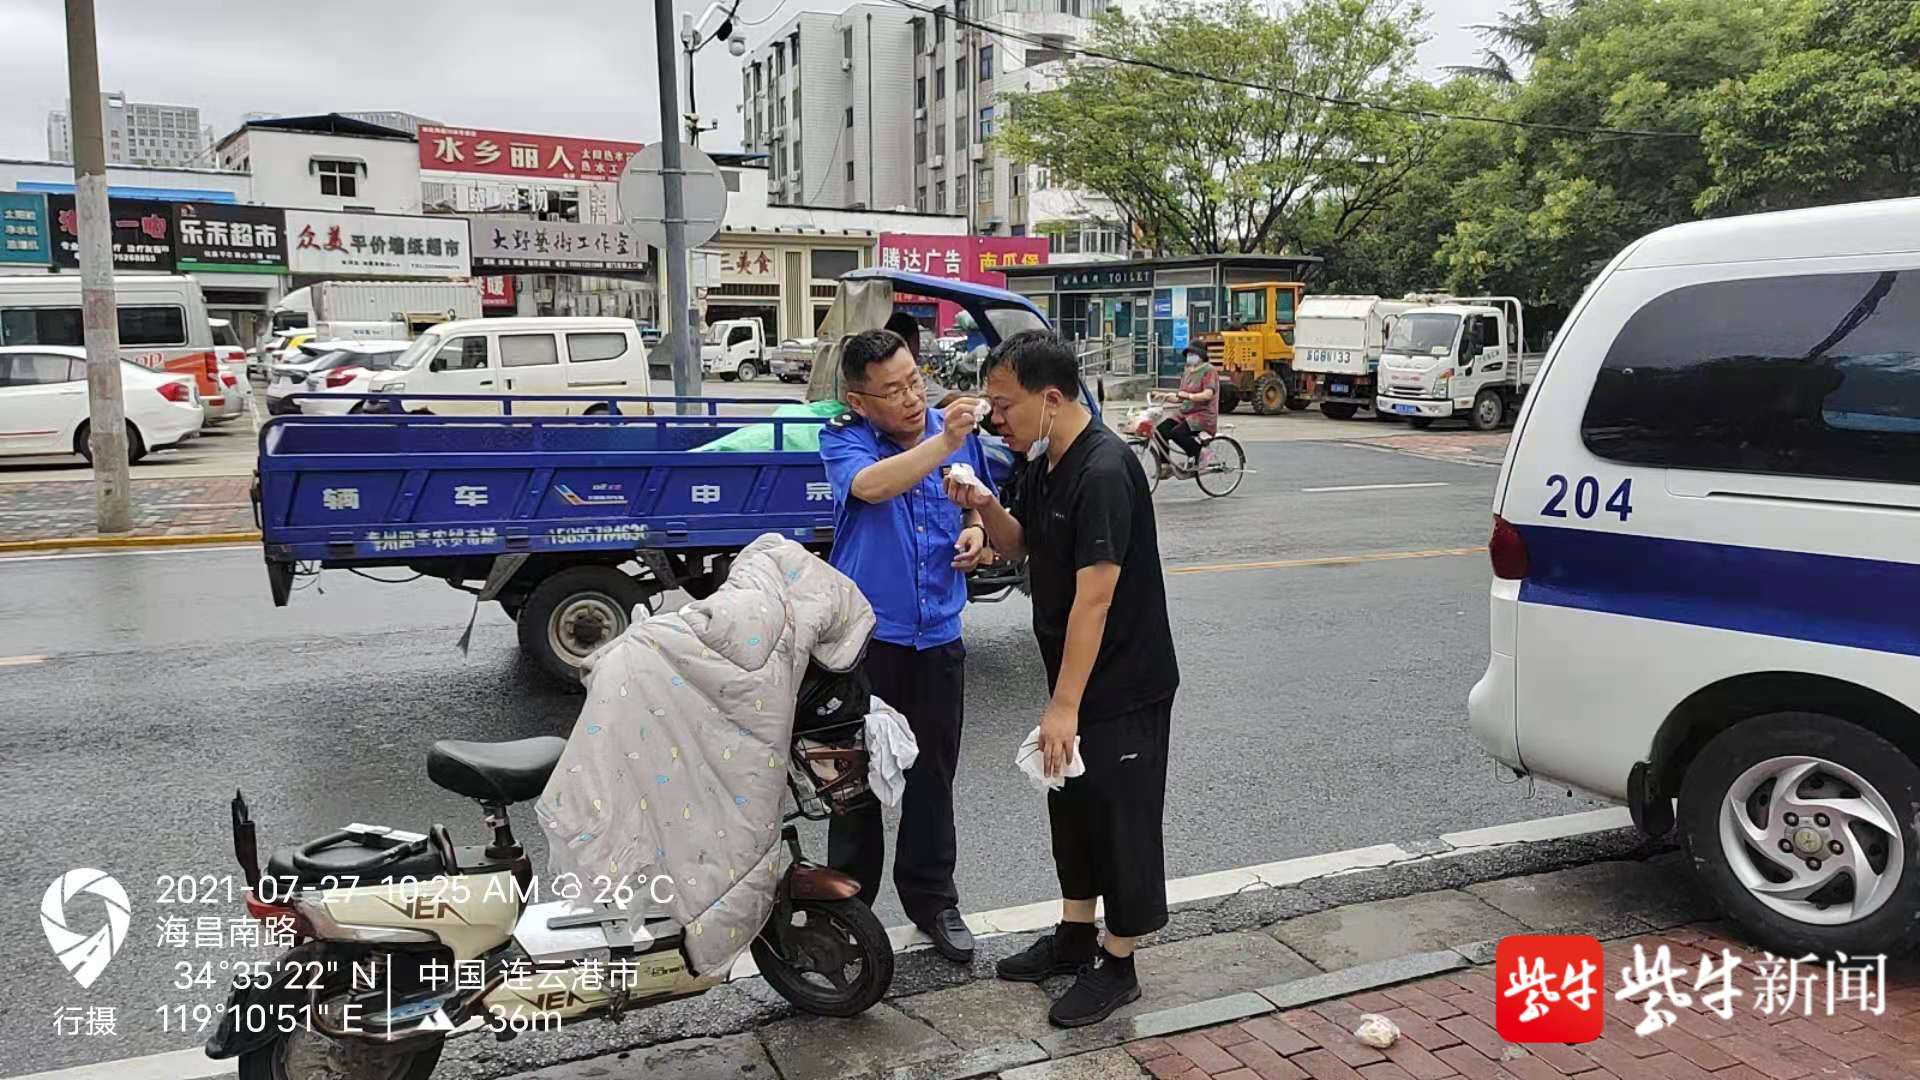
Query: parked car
[
  {"x": 289, "y": 375},
  {"x": 568, "y": 357},
  {"x": 345, "y": 371},
  {"x": 1706, "y": 549},
  {"x": 792, "y": 362},
  {"x": 44, "y": 407},
  {"x": 272, "y": 351},
  {"x": 235, "y": 387}
]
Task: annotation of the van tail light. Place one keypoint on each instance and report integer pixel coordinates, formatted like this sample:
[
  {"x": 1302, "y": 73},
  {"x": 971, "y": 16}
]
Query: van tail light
[
  {"x": 341, "y": 377},
  {"x": 228, "y": 380},
  {"x": 213, "y": 366},
  {"x": 1509, "y": 551},
  {"x": 174, "y": 391}
]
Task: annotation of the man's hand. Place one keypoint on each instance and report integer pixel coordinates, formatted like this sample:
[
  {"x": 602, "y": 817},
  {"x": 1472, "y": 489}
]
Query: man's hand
[
  {"x": 961, "y": 422},
  {"x": 1058, "y": 726},
  {"x": 970, "y": 550},
  {"x": 968, "y": 497}
]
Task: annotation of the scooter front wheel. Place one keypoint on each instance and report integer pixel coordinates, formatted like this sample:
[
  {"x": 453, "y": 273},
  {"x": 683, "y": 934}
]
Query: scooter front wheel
[
  {"x": 828, "y": 957},
  {"x": 301, "y": 1055}
]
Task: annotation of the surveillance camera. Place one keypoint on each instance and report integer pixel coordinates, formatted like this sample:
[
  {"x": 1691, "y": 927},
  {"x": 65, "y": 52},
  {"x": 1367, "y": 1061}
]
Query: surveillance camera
[{"x": 737, "y": 46}]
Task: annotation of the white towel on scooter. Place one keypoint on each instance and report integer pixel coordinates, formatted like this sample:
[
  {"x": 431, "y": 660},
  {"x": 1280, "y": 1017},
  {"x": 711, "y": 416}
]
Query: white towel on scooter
[
  {"x": 1034, "y": 764},
  {"x": 891, "y": 751}
]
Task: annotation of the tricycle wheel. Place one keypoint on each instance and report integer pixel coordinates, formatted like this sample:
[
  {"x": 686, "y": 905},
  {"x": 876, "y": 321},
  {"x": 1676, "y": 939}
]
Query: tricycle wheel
[
  {"x": 301, "y": 1054},
  {"x": 573, "y": 613},
  {"x": 828, "y": 957}
]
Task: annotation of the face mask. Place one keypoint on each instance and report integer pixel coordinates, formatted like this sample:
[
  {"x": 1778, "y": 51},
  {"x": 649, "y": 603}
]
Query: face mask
[{"x": 1039, "y": 448}]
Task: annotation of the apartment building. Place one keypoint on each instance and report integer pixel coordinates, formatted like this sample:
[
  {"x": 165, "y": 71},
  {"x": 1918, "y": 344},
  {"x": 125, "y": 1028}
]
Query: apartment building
[
  {"x": 828, "y": 99},
  {"x": 138, "y": 133}
]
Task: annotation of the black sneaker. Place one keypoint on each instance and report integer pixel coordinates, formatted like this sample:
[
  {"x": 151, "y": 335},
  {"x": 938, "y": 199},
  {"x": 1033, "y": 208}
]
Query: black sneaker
[
  {"x": 1103, "y": 986},
  {"x": 1049, "y": 957}
]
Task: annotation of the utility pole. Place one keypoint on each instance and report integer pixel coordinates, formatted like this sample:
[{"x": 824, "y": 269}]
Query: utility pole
[
  {"x": 113, "y": 510},
  {"x": 681, "y": 318}
]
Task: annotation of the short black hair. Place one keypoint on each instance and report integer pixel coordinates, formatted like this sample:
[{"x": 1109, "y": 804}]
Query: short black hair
[
  {"x": 909, "y": 330},
  {"x": 865, "y": 349},
  {"x": 1038, "y": 359}
]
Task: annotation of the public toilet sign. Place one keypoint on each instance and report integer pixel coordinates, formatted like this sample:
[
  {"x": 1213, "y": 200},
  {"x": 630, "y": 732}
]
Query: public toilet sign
[{"x": 1095, "y": 280}]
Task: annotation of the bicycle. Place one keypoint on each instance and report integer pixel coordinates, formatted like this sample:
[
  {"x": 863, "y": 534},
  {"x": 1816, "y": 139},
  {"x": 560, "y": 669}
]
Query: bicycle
[{"x": 1223, "y": 462}]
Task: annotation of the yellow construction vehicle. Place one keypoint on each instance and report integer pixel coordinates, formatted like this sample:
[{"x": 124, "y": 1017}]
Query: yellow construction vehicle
[{"x": 1255, "y": 352}]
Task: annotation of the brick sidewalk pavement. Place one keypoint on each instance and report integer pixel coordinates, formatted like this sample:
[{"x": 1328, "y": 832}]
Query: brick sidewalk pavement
[
  {"x": 64, "y": 509},
  {"x": 1447, "y": 1031}
]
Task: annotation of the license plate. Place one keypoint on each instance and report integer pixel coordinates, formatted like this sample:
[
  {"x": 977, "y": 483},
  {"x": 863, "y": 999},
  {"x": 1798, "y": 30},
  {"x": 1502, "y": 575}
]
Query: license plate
[
  {"x": 1340, "y": 388},
  {"x": 1406, "y": 410}
]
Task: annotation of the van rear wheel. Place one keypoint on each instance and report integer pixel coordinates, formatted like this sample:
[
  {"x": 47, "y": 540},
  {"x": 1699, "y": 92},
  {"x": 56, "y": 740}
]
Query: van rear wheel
[{"x": 1789, "y": 822}]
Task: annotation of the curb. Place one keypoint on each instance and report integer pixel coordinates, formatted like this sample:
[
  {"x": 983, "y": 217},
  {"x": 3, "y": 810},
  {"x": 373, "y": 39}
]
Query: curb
[{"x": 129, "y": 540}]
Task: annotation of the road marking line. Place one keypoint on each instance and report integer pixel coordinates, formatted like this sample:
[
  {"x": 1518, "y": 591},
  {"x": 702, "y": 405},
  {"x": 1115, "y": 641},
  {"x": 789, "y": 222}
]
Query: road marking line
[
  {"x": 21, "y": 661},
  {"x": 193, "y": 1064},
  {"x": 1376, "y": 487},
  {"x": 182, "y": 550},
  {"x": 1328, "y": 560}
]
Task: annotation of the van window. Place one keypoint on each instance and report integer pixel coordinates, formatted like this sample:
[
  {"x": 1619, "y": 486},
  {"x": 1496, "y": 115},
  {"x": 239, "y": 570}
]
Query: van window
[
  {"x": 1812, "y": 375},
  {"x": 41, "y": 326},
  {"x": 528, "y": 350},
  {"x": 586, "y": 348},
  {"x": 462, "y": 354},
  {"x": 153, "y": 324}
]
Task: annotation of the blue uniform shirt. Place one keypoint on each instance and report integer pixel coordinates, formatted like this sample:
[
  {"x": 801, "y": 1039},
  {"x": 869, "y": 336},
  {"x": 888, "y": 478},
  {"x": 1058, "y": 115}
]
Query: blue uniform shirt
[{"x": 899, "y": 552}]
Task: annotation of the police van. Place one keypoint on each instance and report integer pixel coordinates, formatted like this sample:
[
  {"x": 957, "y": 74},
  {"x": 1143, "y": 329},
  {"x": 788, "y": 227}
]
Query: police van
[{"x": 1706, "y": 557}]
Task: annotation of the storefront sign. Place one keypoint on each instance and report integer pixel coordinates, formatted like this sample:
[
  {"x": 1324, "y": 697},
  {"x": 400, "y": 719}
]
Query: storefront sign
[
  {"x": 1099, "y": 280},
  {"x": 496, "y": 291},
  {"x": 25, "y": 237},
  {"x": 379, "y": 245},
  {"x": 142, "y": 233},
  {"x": 750, "y": 265},
  {"x": 502, "y": 243},
  {"x": 513, "y": 153},
  {"x": 975, "y": 259},
  {"x": 222, "y": 237}
]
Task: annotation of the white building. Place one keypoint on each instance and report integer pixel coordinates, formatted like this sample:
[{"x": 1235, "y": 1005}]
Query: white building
[
  {"x": 328, "y": 162},
  {"x": 393, "y": 118},
  {"x": 829, "y": 99},
  {"x": 137, "y": 132},
  {"x": 964, "y": 74}
]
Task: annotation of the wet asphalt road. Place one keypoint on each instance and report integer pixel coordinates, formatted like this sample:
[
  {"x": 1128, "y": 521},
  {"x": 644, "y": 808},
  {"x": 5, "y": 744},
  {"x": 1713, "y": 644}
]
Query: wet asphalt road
[{"x": 1322, "y": 708}]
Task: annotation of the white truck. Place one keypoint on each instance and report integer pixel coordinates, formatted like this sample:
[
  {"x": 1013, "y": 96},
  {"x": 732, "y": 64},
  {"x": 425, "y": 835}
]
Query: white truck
[
  {"x": 375, "y": 309},
  {"x": 1452, "y": 357},
  {"x": 734, "y": 349},
  {"x": 1337, "y": 341}
]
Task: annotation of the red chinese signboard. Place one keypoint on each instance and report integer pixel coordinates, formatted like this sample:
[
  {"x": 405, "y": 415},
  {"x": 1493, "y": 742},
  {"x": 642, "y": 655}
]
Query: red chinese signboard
[
  {"x": 496, "y": 291},
  {"x": 975, "y": 259},
  {"x": 514, "y": 153}
]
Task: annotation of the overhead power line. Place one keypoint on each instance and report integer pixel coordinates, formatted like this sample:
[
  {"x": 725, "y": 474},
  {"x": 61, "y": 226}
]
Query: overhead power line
[{"x": 1295, "y": 92}]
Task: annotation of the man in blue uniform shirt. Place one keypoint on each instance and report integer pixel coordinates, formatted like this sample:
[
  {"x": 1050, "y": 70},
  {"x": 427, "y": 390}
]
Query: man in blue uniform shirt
[{"x": 908, "y": 548}]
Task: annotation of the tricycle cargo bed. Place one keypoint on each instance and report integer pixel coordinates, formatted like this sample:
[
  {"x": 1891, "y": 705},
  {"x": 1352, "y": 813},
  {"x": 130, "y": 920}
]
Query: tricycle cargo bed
[{"x": 376, "y": 489}]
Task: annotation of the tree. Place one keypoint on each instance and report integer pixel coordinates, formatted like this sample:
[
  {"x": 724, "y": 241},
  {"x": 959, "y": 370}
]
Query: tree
[
  {"x": 1560, "y": 203},
  {"x": 1239, "y": 159},
  {"x": 1833, "y": 114}
]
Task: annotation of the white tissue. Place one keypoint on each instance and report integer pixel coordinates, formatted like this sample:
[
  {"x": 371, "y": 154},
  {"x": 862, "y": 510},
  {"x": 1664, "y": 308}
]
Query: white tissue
[
  {"x": 1377, "y": 1031},
  {"x": 981, "y": 410},
  {"x": 1034, "y": 763},
  {"x": 964, "y": 473}
]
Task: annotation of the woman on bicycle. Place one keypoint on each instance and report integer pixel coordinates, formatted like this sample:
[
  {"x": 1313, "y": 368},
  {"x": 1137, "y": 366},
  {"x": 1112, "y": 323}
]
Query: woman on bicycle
[{"x": 1199, "y": 401}]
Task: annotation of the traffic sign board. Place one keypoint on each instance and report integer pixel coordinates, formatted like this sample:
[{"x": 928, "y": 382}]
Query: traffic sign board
[{"x": 643, "y": 201}]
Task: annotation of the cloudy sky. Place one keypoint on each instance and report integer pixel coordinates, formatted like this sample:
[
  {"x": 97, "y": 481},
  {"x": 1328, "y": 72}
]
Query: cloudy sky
[{"x": 574, "y": 67}]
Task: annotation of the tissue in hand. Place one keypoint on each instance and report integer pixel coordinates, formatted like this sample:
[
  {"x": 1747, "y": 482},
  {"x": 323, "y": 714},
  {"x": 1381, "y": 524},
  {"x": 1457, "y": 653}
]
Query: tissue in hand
[{"x": 963, "y": 473}]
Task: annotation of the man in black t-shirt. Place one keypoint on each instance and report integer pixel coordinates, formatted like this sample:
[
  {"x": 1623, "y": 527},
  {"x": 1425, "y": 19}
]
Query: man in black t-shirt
[{"x": 1083, "y": 517}]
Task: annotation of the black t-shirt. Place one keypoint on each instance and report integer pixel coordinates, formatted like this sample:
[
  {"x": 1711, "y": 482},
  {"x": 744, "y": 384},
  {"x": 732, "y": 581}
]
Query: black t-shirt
[{"x": 1094, "y": 507}]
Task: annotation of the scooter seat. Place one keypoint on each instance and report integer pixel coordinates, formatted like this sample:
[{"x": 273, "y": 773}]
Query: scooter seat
[{"x": 495, "y": 772}]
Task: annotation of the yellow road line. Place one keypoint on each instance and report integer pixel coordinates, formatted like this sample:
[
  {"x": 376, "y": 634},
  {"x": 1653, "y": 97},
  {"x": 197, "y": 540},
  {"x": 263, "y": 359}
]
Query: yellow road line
[
  {"x": 21, "y": 661},
  {"x": 129, "y": 541},
  {"x": 1328, "y": 560}
]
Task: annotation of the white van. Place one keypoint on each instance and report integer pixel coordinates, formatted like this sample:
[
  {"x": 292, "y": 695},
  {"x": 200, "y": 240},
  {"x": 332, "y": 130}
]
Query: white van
[
  {"x": 163, "y": 325},
  {"x": 584, "y": 358},
  {"x": 1706, "y": 554}
]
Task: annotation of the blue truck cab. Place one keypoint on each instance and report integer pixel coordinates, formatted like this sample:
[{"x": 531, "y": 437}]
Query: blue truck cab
[{"x": 568, "y": 522}]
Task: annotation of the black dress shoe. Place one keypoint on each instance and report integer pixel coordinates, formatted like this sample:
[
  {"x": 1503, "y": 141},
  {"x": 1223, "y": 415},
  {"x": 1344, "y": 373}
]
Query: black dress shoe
[
  {"x": 1103, "y": 986},
  {"x": 950, "y": 935}
]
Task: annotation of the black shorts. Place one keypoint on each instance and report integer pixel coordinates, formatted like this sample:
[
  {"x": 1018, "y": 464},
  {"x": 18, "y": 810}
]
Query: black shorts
[{"x": 1107, "y": 824}]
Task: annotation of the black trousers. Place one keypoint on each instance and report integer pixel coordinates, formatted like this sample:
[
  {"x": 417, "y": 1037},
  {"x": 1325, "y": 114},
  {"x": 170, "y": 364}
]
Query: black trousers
[
  {"x": 1182, "y": 436},
  {"x": 1108, "y": 836},
  {"x": 927, "y": 686}
]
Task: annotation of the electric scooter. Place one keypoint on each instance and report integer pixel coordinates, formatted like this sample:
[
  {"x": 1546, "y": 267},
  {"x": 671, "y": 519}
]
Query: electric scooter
[{"x": 404, "y": 940}]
